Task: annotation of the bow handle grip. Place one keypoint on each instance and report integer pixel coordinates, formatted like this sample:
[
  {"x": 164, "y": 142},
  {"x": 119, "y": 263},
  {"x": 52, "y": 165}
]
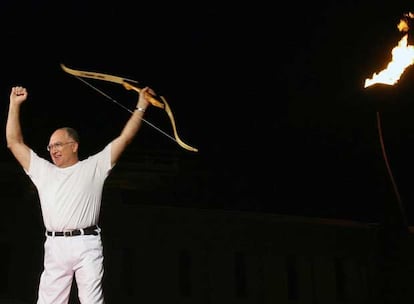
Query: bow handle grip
[{"x": 150, "y": 97}]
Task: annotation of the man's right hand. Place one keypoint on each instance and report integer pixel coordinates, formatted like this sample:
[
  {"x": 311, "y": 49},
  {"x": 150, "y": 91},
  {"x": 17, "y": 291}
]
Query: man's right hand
[{"x": 18, "y": 95}]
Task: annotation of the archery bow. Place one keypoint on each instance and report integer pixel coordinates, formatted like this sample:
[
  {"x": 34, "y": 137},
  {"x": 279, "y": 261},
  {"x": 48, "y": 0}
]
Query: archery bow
[{"x": 126, "y": 83}]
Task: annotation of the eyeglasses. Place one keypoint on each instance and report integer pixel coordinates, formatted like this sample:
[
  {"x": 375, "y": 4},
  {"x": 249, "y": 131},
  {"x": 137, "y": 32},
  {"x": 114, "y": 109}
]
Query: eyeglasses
[{"x": 58, "y": 145}]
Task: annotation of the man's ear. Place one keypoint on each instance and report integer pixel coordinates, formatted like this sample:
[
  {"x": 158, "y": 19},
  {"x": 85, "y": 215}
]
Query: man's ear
[{"x": 75, "y": 146}]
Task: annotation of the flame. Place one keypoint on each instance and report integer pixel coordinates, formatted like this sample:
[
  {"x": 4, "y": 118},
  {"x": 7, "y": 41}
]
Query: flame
[{"x": 402, "y": 58}]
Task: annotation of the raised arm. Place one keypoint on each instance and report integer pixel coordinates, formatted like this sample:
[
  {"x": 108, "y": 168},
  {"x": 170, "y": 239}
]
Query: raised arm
[
  {"x": 131, "y": 128},
  {"x": 14, "y": 134}
]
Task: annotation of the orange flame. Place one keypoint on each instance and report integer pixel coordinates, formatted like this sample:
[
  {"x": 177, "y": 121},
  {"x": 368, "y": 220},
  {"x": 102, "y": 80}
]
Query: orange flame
[{"x": 402, "y": 58}]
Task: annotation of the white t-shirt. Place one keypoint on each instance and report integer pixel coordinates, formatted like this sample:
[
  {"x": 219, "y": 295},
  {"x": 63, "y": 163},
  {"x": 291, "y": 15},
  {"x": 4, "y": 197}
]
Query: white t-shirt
[{"x": 70, "y": 198}]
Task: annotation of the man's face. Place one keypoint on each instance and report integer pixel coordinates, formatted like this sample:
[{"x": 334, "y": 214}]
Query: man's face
[{"x": 63, "y": 149}]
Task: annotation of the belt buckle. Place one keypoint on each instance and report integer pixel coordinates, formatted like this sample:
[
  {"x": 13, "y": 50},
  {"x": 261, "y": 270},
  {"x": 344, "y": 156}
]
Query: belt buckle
[{"x": 67, "y": 233}]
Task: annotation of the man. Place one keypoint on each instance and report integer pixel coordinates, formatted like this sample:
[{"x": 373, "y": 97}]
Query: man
[{"x": 70, "y": 192}]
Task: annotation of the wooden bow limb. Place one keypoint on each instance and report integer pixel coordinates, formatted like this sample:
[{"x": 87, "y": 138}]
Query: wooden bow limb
[
  {"x": 125, "y": 82},
  {"x": 179, "y": 141},
  {"x": 112, "y": 78}
]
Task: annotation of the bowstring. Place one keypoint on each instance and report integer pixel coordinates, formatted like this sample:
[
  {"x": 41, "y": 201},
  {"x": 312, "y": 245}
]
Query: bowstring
[{"x": 125, "y": 108}]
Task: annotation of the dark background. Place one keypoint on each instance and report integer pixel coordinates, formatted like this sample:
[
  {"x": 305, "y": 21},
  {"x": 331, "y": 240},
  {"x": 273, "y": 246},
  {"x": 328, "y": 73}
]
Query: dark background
[
  {"x": 210, "y": 61},
  {"x": 272, "y": 97},
  {"x": 336, "y": 126}
]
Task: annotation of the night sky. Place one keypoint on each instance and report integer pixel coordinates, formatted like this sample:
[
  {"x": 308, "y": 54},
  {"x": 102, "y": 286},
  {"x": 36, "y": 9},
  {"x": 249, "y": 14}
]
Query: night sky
[
  {"x": 210, "y": 62},
  {"x": 271, "y": 95},
  {"x": 273, "y": 98},
  {"x": 336, "y": 161}
]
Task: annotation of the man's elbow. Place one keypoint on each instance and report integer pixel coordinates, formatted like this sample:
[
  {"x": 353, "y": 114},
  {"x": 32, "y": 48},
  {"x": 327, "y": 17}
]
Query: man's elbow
[
  {"x": 14, "y": 145},
  {"x": 11, "y": 143}
]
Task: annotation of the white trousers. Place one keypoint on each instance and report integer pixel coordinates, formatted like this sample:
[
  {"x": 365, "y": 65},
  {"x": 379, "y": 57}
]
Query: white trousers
[{"x": 65, "y": 257}]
